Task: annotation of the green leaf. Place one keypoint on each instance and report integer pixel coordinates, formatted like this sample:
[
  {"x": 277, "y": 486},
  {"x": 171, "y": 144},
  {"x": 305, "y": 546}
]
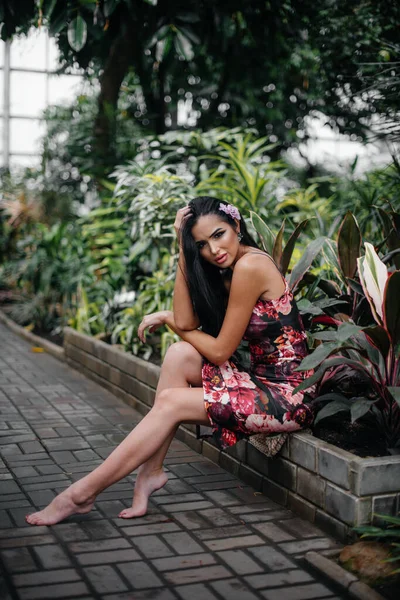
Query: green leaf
[
  {"x": 305, "y": 262},
  {"x": 388, "y": 519},
  {"x": 109, "y": 6},
  {"x": 183, "y": 46},
  {"x": 368, "y": 530},
  {"x": 266, "y": 235},
  {"x": 355, "y": 286},
  {"x": 379, "y": 338},
  {"x": 330, "y": 362},
  {"x": 139, "y": 248},
  {"x": 373, "y": 276},
  {"x": 277, "y": 249},
  {"x": 77, "y": 33},
  {"x": 391, "y": 307},
  {"x": 331, "y": 409},
  {"x": 58, "y": 23},
  {"x": 315, "y": 358},
  {"x": 346, "y": 331},
  {"x": 326, "y": 336},
  {"x": 48, "y": 10},
  {"x": 386, "y": 221},
  {"x": 359, "y": 408},
  {"x": 395, "y": 392},
  {"x": 384, "y": 533},
  {"x": 349, "y": 245},
  {"x": 308, "y": 308},
  {"x": 288, "y": 250},
  {"x": 320, "y": 354}
]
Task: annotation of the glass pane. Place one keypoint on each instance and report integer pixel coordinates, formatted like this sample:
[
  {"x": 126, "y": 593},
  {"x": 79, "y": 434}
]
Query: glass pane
[
  {"x": 29, "y": 52},
  {"x": 52, "y": 58},
  {"x": 2, "y": 44},
  {"x": 63, "y": 88},
  {"x": 28, "y": 93},
  {"x": 25, "y": 135},
  {"x": 1, "y": 92},
  {"x": 20, "y": 162},
  {"x": 1, "y": 135}
]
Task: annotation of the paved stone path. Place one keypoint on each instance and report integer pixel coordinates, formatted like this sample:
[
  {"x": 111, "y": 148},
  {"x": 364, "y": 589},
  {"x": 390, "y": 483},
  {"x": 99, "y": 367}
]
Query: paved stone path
[{"x": 207, "y": 536}]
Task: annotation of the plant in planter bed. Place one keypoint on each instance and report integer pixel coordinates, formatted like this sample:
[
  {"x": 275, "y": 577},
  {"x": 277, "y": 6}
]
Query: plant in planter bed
[{"x": 373, "y": 352}]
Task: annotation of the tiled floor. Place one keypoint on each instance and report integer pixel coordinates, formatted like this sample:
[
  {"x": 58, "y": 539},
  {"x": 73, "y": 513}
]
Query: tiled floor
[{"x": 207, "y": 536}]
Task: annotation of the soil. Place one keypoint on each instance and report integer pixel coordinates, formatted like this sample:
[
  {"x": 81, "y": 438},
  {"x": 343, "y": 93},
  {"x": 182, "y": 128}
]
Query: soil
[{"x": 359, "y": 438}]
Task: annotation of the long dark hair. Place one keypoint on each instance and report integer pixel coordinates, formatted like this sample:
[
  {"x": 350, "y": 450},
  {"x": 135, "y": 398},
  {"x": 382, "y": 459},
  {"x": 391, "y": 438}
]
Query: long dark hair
[{"x": 206, "y": 281}]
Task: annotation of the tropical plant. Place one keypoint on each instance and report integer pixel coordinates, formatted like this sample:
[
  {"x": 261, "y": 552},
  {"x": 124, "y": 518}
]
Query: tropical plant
[
  {"x": 105, "y": 234},
  {"x": 373, "y": 352},
  {"x": 389, "y": 534},
  {"x": 150, "y": 193},
  {"x": 282, "y": 254},
  {"x": 245, "y": 174},
  {"x": 87, "y": 315},
  {"x": 71, "y": 166},
  {"x": 45, "y": 274},
  {"x": 155, "y": 294}
]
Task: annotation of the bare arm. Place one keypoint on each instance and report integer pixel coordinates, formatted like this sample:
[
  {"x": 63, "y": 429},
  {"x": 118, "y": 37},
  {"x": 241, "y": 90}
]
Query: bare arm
[{"x": 252, "y": 275}]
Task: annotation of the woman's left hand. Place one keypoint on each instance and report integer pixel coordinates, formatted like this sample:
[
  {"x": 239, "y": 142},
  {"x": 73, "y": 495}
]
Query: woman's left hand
[{"x": 153, "y": 322}]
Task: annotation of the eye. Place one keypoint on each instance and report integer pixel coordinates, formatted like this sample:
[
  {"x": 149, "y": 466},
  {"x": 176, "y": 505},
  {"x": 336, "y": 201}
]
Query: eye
[
  {"x": 218, "y": 234},
  {"x": 200, "y": 245}
]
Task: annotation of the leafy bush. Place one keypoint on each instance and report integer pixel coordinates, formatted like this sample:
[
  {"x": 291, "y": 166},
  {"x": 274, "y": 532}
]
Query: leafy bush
[
  {"x": 155, "y": 294},
  {"x": 45, "y": 275},
  {"x": 374, "y": 352}
]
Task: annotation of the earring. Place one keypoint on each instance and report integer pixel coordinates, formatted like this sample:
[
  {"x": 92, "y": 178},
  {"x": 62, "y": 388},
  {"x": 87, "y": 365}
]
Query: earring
[{"x": 240, "y": 237}]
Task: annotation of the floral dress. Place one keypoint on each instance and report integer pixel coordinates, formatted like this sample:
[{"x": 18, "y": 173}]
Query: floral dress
[{"x": 252, "y": 392}]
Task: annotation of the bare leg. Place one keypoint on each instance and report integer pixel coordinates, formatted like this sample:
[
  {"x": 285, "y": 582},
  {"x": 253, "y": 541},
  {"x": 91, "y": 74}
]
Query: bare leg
[
  {"x": 175, "y": 405},
  {"x": 181, "y": 368}
]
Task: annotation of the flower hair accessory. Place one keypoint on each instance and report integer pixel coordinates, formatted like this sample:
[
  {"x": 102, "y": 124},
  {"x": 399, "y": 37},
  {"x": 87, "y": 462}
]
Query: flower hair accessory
[{"x": 230, "y": 210}]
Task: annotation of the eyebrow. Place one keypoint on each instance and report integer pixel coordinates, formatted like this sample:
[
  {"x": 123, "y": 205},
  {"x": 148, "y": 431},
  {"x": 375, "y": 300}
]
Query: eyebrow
[{"x": 213, "y": 233}]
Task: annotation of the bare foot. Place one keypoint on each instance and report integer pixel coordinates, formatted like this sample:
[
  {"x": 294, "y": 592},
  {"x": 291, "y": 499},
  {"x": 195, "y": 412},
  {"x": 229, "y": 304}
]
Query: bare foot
[
  {"x": 145, "y": 485},
  {"x": 64, "y": 505}
]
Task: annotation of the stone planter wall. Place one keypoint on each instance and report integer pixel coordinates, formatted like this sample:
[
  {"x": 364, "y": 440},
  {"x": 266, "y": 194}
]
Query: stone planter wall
[{"x": 331, "y": 487}]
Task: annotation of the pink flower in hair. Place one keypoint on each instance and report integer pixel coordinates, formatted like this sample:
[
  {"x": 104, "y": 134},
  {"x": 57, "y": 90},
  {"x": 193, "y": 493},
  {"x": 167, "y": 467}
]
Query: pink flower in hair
[{"x": 230, "y": 210}]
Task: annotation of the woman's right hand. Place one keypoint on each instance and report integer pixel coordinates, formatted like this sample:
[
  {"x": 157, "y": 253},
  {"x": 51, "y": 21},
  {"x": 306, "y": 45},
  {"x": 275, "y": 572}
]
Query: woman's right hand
[
  {"x": 181, "y": 215},
  {"x": 153, "y": 322}
]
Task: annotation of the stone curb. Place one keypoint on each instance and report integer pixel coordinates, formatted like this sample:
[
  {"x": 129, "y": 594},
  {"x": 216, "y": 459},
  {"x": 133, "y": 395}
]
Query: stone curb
[
  {"x": 49, "y": 347},
  {"x": 342, "y": 578}
]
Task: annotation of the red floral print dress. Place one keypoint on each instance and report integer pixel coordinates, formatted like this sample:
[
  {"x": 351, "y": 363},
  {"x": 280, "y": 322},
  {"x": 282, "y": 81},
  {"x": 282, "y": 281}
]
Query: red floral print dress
[{"x": 252, "y": 392}]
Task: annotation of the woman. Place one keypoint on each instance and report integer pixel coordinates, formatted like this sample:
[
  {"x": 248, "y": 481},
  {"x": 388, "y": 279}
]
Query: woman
[{"x": 236, "y": 373}]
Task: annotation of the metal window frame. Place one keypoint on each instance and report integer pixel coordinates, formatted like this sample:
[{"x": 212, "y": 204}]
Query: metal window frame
[{"x": 5, "y": 113}]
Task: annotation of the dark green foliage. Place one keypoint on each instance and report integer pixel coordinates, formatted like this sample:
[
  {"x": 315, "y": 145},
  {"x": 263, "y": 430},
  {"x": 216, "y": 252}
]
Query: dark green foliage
[{"x": 260, "y": 64}]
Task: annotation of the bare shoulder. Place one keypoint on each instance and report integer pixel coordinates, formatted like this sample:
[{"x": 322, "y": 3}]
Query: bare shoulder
[
  {"x": 254, "y": 263},
  {"x": 257, "y": 270}
]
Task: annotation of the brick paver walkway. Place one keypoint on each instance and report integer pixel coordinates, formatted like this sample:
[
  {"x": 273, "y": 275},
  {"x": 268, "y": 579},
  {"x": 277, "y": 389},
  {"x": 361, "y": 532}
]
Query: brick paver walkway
[{"x": 207, "y": 536}]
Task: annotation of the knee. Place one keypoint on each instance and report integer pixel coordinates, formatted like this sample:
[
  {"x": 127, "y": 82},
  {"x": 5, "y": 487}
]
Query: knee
[
  {"x": 165, "y": 400},
  {"x": 182, "y": 351}
]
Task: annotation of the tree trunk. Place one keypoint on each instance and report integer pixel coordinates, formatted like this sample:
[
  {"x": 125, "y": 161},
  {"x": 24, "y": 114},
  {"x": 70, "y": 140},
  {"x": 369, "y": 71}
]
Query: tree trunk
[{"x": 116, "y": 67}]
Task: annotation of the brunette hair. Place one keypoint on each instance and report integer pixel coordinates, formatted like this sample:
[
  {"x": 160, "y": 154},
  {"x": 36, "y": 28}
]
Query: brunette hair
[{"x": 205, "y": 280}]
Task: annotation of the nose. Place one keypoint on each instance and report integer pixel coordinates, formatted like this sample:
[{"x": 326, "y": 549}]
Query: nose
[{"x": 214, "y": 248}]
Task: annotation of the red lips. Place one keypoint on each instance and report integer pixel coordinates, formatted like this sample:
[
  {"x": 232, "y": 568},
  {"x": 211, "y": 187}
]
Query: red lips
[{"x": 221, "y": 259}]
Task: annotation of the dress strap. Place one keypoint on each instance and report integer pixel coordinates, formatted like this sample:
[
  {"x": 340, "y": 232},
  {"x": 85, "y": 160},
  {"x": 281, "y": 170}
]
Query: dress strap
[{"x": 264, "y": 254}]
